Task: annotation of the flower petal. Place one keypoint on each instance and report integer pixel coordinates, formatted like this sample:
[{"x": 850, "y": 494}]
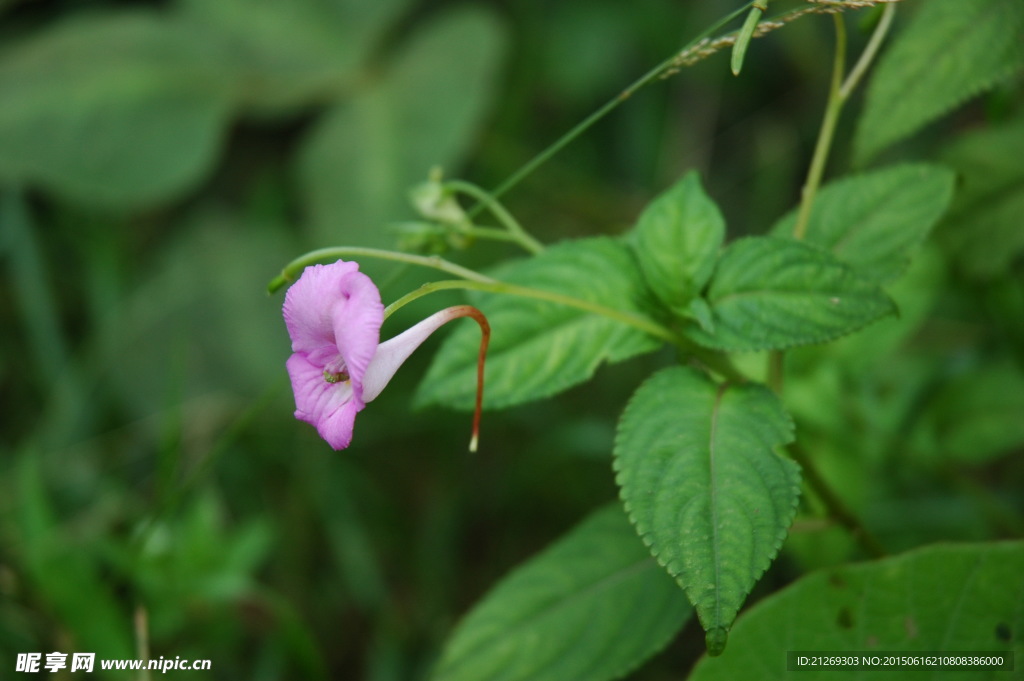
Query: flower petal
[
  {"x": 331, "y": 407},
  {"x": 310, "y": 301},
  {"x": 357, "y": 318},
  {"x": 393, "y": 352}
]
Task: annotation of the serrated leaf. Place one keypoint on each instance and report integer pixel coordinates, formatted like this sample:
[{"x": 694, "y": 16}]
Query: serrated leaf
[
  {"x": 539, "y": 348},
  {"x": 360, "y": 160},
  {"x": 875, "y": 221},
  {"x": 589, "y": 608},
  {"x": 944, "y": 598},
  {"x": 983, "y": 232},
  {"x": 915, "y": 294},
  {"x": 677, "y": 240},
  {"x": 120, "y": 109},
  {"x": 701, "y": 477},
  {"x": 774, "y": 293},
  {"x": 950, "y": 51}
]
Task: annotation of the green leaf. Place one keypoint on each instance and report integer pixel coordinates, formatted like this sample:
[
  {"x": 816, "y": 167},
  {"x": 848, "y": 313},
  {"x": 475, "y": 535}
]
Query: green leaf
[
  {"x": 743, "y": 38},
  {"x": 591, "y": 607},
  {"x": 950, "y": 51},
  {"x": 944, "y": 598},
  {"x": 773, "y": 293},
  {"x": 702, "y": 479},
  {"x": 677, "y": 240},
  {"x": 121, "y": 110},
  {"x": 360, "y": 160},
  {"x": 540, "y": 348},
  {"x": 983, "y": 230},
  {"x": 915, "y": 294},
  {"x": 875, "y": 221},
  {"x": 980, "y": 415},
  {"x": 297, "y": 52},
  {"x": 60, "y": 567}
]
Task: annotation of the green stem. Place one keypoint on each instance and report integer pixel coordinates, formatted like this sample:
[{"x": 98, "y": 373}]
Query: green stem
[
  {"x": 869, "y": 53},
  {"x": 713, "y": 361},
  {"x": 584, "y": 125},
  {"x": 837, "y": 508},
  {"x": 295, "y": 267},
  {"x": 636, "y": 321},
  {"x": 520, "y": 235},
  {"x": 493, "y": 234},
  {"x": 828, "y": 127},
  {"x": 839, "y": 93}
]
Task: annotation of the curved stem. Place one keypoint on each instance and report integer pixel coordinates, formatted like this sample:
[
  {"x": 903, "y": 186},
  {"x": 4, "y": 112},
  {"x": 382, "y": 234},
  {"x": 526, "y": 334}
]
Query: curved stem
[
  {"x": 868, "y": 55},
  {"x": 636, "y": 321},
  {"x": 839, "y": 92},
  {"x": 485, "y": 339},
  {"x": 520, "y": 235},
  {"x": 295, "y": 267},
  {"x": 712, "y": 361}
]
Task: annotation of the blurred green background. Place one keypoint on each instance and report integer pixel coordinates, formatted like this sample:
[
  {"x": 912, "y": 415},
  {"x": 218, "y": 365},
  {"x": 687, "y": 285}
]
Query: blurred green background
[{"x": 161, "y": 161}]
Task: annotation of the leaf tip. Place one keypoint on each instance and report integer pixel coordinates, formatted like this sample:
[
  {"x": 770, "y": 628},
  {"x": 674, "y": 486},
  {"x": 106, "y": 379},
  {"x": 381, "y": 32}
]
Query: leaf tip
[{"x": 715, "y": 640}]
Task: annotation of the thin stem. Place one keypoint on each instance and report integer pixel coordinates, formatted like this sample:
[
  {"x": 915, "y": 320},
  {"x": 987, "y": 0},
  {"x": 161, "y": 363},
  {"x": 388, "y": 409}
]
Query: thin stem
[
  {"x": 826, "y": 134},
  {"x": 485, "y": 338},
  {"x": 636, "y": 321},
  {"x": 712, "y": 361},
  {"x": 868, "y": 55},
  {"x": 296, "y": 266},
  {"x": 839, "y": 92},
  {"x": 837, "y": 508},
  {"x": 509, "y": 222},
  {"x": 491, "y": 233},
  {"x": 581, "y": 127},
  {"x": 141, "y": 622}
]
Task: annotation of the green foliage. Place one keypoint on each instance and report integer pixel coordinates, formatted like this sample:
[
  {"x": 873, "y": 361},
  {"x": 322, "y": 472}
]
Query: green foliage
[
  {"x": 939, "y": 598},
  {"x": 677, "y": 240},
  {"x": 121, "y": 110},
  {"x": 160, "y": 163},
  {"x": 876, "y": 221},
  {"x": 773, "y": 293},
  {"x": 706, "y": 486},
  {"x": 951, "y": 51},
  {"x": 977, "y": 416},
  {"x": 359, "y": 161},
  {"x": 982, "y": 233},
  {"x": 291, "y": 54},
  {"x": 591, "y": 607},
  {"x": 540, "y": 348},
  {"x": 68, "y": 579}
]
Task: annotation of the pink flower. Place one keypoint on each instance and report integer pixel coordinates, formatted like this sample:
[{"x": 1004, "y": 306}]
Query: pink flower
[{"x": 334, "y": 314}]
